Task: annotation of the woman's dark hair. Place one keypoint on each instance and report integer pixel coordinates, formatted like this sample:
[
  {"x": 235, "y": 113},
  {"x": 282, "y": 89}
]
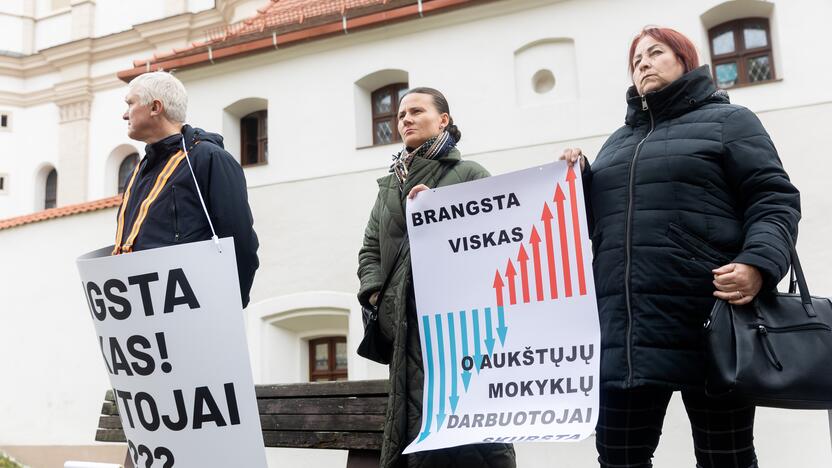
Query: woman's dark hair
[{"x": 441, "y": 105}]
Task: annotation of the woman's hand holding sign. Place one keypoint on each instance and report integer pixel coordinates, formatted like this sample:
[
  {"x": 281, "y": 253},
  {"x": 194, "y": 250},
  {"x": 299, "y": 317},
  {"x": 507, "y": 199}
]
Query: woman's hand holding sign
[
  {"x": 415, "y": 191},
  {"x": 573, "y": 155}
]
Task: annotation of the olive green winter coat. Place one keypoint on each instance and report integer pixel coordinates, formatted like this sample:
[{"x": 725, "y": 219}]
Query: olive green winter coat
[{"x": 397, "y": 318}]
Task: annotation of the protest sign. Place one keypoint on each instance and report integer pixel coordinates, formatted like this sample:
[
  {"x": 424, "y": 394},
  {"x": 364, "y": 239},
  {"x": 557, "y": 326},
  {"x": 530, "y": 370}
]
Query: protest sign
[
  {"x": 502, "y": 271},
  {"x": 170, "y": 327}
]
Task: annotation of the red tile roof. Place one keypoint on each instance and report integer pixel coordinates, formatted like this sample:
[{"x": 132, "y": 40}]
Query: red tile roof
[
  {"x": 283, "y": 12},
  {"x": 273, "y": 15},
  {"x": 285, "y": 22},
  {"x": 60, "y": 212}
]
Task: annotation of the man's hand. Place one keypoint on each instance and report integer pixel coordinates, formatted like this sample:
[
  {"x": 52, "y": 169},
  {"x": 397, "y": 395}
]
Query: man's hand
[
  {"x": 737, "y": 283},
  {"x": 374, "y": 299}
]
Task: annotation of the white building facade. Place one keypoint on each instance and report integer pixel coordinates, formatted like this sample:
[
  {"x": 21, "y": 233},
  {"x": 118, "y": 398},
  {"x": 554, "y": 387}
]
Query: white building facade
[
  {"x": 58, "y": 88},
  {"x": 525, "y": 79}
]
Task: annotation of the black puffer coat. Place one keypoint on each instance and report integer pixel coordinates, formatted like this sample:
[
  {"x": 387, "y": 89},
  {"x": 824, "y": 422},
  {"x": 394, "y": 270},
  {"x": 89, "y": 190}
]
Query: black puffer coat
[{"x": 690, "y": 183}]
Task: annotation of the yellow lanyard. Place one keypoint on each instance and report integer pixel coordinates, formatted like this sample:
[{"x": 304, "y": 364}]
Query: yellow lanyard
[{"x": 161, "y": 180}]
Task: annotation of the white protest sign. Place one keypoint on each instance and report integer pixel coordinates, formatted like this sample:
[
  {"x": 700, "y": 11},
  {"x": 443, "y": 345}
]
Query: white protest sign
[
  {"x": 170, "y": 326},
  {"x": 502, "y": 270}
]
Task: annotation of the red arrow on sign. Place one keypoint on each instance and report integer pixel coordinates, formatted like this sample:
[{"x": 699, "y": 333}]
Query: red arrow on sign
[
  {"x": 550, "y": 250},
  {"x": 510, "y": 274},
  {"x": 564, "y": 248},
  {"x": 498, "y": 288},
  {"x": 534, "y": 240},
  {"x": 523, "y": 258},
  {"x": 576, "y": 228}
]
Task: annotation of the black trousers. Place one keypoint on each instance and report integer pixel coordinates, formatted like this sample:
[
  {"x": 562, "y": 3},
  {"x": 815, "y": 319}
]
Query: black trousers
[{"x": 630, "y": 424}]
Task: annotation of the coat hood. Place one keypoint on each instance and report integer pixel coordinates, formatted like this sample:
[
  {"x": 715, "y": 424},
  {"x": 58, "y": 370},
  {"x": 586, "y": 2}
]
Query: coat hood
[
  {"x": 193, "y": 135},
  {"x": 159, "y": 151},
  {"x": 690, "y": 91}
]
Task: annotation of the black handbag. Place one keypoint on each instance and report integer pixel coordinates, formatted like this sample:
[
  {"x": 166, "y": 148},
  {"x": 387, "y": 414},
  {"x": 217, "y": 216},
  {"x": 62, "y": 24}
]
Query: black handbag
[
  {"x": 775, "y": 351},
  {"x": 375, "y": 346}
]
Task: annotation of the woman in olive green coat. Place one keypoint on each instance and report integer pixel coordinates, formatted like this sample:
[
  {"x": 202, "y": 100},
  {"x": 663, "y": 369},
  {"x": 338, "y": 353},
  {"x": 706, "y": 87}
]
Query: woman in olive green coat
[{"x": 429, "y": 159}]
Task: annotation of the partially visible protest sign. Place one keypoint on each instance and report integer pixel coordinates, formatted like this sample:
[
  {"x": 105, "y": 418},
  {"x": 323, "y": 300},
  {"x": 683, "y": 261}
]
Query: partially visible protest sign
[
  {"x": 502, "y": 271},
  {"x": 170, "y": 326}
]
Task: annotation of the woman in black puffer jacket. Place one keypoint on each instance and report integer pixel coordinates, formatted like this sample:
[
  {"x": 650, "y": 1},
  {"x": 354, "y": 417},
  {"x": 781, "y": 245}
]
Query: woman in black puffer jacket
[{"x": 683, "y": 199}]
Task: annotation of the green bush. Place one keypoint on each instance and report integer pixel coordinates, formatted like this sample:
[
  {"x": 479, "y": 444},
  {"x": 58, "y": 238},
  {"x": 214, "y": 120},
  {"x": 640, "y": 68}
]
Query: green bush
[{"x": 5, "y": 462}]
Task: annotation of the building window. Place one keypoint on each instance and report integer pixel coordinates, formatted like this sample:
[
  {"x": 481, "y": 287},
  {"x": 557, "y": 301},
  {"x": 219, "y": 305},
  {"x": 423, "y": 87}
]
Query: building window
[
  {"x": 51, "y": 190},
  {"x": 125, "y": 171},
  {"x": 5, "y": 121},
  {"x": 741, "y": 52},
  {"x": 4, "y": 184},
  {"x": 385, "y": 102},
  {"x": 328, "y": 359},
  {"x": 254, "y": 141}
]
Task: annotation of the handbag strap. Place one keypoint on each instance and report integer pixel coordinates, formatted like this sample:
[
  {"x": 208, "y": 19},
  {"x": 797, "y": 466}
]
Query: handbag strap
[
  {"x": 392, "y": 269},
  {"x": 381, "y": 290},
  {"x": 797, "y": 272}
]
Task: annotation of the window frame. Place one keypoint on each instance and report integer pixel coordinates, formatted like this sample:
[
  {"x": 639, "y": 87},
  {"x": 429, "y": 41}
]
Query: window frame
[
  {"x": 741, "y": 54},
  {"x": 47, "y": 200},
  {"x": 126, "y": 180},
  {"x": 332, "y": 373},
  {"x": 262, "y": 139},
  {"x": 394, "y": 89}
]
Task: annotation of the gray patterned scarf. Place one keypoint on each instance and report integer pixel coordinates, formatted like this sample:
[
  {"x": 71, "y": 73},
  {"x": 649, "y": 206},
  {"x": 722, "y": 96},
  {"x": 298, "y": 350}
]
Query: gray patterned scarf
[{"x": 433, "y": 148}]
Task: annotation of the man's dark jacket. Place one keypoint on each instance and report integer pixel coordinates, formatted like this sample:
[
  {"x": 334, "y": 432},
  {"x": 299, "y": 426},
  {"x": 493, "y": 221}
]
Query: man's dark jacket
[
  {"x": 689, "y": 184},
  {"x": 177, "y": 217}
]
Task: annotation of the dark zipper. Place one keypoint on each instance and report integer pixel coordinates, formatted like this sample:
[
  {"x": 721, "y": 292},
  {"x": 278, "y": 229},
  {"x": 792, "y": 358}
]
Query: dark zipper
[
  {"x": 763, "y": 331},
  {"x": 629, "y": 235},
  {"x": 763, "y": 328},
  {"x": 175, "y": 216}
]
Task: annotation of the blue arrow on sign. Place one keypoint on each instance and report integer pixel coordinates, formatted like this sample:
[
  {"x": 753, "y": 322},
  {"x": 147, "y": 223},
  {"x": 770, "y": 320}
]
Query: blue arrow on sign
[
  {"x": 440, "y": 348},
  {"x": 429, "y": 356},
  {"x": 477, "y": 350},
  {"x": 489, "y": 333},
  {"x": 452, "y": 336},
  {"x": 501, "y": 328},
  {"x": 463, "y": 323}
]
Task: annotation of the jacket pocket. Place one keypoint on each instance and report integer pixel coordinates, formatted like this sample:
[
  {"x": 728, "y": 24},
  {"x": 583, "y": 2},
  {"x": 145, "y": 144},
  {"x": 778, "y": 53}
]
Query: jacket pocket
[
  {"x": 696, "y": 247},
  {"x": 386, "y": 307},
  {"x": 175, "y": 210}
]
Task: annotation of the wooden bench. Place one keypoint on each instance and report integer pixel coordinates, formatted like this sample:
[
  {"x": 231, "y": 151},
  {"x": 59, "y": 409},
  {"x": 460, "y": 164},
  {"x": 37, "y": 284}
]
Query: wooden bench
[{"x": 346, "y": 415}]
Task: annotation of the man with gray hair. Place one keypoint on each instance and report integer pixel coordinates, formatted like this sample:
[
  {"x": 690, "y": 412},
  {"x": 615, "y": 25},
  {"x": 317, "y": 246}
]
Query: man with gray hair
[{"x": 161, "y": 205}]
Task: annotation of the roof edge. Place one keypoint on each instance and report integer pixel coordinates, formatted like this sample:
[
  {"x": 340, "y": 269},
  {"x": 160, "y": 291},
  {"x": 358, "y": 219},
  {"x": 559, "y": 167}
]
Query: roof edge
[
  {"x": 218, "y": 52},
  {"x": 60, "y": 212}
]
